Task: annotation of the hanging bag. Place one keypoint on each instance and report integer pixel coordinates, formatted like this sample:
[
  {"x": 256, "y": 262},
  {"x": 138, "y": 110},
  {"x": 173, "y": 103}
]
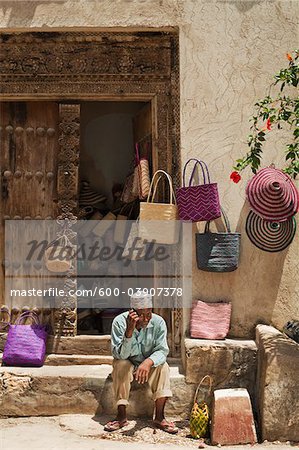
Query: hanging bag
[
  {"x": 141, "y": 179},
  {"x": 159, "y": 221},
  {"x": 210, "y": 320},
  {"x": 199, "y": 417},
  {"x": 25, "y": 344},
  {"x": 58, "y": 255},
  {"x": 201, "y": 202},
  {"x": 218, "y": 252}
]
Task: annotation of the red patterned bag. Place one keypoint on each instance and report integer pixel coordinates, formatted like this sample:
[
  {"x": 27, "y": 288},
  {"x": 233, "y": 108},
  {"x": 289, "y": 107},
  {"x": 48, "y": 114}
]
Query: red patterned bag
[{"x": 210, "y": 320}]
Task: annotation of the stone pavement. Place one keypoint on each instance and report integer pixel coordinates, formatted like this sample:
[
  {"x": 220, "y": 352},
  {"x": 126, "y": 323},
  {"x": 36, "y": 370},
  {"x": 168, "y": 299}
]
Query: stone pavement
[{"x": 85, "y": 432}]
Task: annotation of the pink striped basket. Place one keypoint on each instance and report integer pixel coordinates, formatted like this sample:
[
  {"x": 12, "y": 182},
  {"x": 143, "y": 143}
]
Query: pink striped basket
[{"x": 210, "y": 320}]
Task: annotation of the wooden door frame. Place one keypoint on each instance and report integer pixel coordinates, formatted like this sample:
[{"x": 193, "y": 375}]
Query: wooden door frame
[{"x": 118, "y": 65}]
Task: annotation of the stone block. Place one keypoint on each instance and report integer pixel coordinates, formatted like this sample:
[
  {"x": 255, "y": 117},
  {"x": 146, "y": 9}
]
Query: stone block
[
  {"x": 231, "y": 363},
  {"x": 51, "y": 390},
  {"x": 232, "y": 418},
  {"x": 278, "y": 391},
  {"x": 81, "y": 389}
]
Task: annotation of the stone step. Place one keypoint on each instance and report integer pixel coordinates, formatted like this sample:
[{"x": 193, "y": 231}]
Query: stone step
[
  {"x": 54, "y": 359},
  {"x": 80, "y": 389},
  {"x": 65, "y": 360},
  {"x": 75, "y": 345}
]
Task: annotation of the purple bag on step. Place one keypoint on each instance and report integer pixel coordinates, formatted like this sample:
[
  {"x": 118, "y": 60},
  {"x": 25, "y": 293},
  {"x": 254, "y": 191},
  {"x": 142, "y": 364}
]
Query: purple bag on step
[
  {"x": 201, "y": 202},
  {"x": 25, "y": 344}
]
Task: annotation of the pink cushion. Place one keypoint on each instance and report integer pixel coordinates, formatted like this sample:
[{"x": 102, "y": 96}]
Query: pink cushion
[{"x": 210, "y": 320}]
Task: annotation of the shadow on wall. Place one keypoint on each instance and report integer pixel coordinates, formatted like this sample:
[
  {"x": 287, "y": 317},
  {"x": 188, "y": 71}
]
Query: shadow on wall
[
  {"x": 19, "y": 13},
  {"x": 243, "y": 6},
  {"x": 259, "y": 276},
  {"x": 253, "y": 288}
]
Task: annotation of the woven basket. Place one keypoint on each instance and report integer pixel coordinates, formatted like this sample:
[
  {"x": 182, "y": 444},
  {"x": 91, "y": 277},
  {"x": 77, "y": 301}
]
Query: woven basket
[
  {"x": 218, "y": 252},
  {"x": 199, "y": 417},
  {"x": 210, "y": 320},
  {"x": 141, "y": 177},
  {"x": 159, "y": 221},
  {"x": 25, "y": 344},
  {"x": 200, "y": 202}
]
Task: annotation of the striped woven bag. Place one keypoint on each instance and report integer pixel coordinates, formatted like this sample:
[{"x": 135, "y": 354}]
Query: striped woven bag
[
  {"x": 201, "y": 202},
  {"x": 141, "y": 179},
  {"x": 210, "y": 320},
  {"x": 218, "y": 252}
]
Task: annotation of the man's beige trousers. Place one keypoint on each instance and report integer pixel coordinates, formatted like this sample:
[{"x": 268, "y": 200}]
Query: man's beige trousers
[{"x": 122, "y": 376}]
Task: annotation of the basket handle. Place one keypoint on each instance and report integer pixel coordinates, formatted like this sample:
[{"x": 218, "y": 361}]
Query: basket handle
[
  {"x": 154, "y": 184},
  {"x": 63, "y": 237},
  {"x": 226, "y": 221},
  {"x": 25, "y": 315},
  {"x": 200, "y": 383},
  {"x": 202, "y": 165},
  {"x": 204, "y": 171}
]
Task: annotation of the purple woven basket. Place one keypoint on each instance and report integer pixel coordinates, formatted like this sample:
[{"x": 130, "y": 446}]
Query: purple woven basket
[
  {"x": 198, "y": 203},
  {"x": 25, "y": 344}
]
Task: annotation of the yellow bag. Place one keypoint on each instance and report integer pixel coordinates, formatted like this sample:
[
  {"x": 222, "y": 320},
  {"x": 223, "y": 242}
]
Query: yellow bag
[
  {"x": 159, "y": 221},
  {"x": 199, "y": 417}
]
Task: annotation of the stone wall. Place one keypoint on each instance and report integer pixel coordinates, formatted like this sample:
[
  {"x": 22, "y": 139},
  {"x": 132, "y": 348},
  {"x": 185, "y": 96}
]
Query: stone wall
[
  {"x": 277, "y": 385},
  {"x": 229, "y": 50}
]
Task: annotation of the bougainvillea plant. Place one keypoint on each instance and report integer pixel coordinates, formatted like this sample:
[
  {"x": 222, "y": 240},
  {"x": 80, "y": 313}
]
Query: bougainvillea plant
[{"x": 281, "y": 112}]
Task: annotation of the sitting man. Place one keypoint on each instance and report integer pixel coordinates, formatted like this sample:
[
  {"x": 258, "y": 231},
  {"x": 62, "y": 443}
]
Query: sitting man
[{"x": 139, "y": 348}]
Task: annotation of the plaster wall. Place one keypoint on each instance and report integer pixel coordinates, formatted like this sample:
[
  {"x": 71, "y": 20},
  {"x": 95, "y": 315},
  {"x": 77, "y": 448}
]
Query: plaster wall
[{"x": 229, "y": 50}]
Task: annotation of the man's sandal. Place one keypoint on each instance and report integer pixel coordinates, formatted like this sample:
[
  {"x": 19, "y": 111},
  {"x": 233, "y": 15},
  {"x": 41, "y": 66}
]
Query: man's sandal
[
  {"x": 168, "y": 427},
  {"x": 115, "y": 425}
]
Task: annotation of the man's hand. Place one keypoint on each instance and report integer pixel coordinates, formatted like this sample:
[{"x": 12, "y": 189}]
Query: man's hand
[
  {"x": 143, "y": 370},
  {"x": 132, "y": 320}
]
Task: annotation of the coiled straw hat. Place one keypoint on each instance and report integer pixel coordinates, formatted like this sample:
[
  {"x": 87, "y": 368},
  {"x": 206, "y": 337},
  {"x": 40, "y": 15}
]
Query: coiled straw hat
[{"x": 272, "y": 195}]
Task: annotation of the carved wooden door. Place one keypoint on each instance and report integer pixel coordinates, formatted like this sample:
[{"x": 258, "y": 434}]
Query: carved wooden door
[
  {"x": 28, "y": 162},
  {"x": 39, "y": 180}
]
